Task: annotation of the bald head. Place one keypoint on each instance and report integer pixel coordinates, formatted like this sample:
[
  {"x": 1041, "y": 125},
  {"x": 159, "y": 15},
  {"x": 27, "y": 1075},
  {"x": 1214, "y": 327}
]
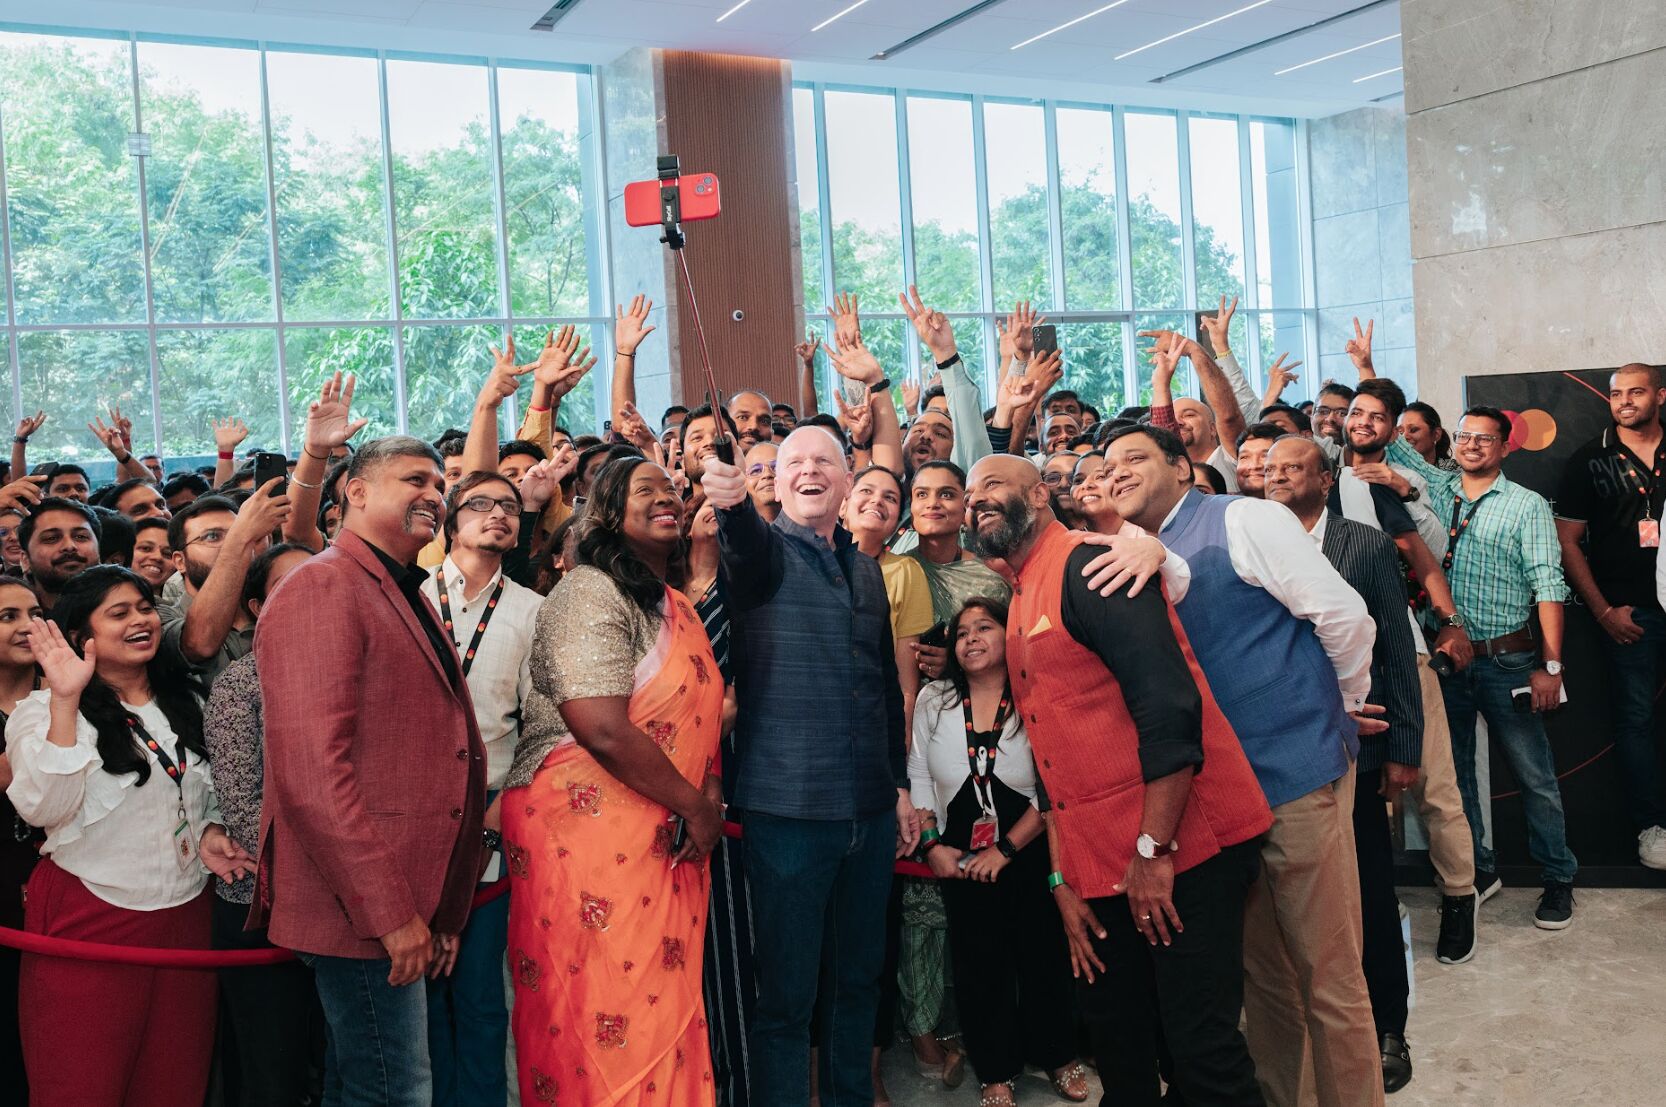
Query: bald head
[
  {"x": 812, "y": 478},
  {"x": 1197, "y": 427},
  {"x": 1004, "y": 501},
  {"x": 1299, "y": 477}
]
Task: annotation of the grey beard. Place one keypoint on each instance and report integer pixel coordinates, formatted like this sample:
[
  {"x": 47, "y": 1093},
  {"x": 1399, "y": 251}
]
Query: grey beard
[{"x": 1016, "y": 525}]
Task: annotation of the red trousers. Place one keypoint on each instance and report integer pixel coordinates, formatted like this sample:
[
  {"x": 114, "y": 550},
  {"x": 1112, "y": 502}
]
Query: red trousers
[{"x": 96, "y": 1035}]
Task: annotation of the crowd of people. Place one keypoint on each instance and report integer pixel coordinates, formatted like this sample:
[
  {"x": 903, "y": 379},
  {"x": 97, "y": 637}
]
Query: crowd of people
[{"x": 577, "y": 768}]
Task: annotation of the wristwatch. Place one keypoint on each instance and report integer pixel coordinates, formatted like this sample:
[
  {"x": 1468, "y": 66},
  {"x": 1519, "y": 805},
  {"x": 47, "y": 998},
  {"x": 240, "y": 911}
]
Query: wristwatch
[
  {"x": 492, "y": 839},
  {"x": 1554, "y": 668},
  {"x": 1455, "y": 619},
  {"x": 1412, "y": 495},
  {"x": 1008, "y": 850},
  {"x": 1148, "y": 848}
]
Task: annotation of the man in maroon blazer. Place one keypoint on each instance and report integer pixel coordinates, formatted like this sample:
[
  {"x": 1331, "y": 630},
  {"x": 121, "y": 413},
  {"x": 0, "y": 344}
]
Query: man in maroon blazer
[{"x": 370, "y": 837}]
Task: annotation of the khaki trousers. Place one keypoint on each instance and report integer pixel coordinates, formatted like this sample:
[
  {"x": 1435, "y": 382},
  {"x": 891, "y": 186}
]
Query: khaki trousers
[
  {"x": 1451, "y": 849},
  {"x": 1306, "y": 1008}
]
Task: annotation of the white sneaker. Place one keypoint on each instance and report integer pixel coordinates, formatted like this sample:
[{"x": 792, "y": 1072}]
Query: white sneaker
[{"x": 1651, "y": 847}]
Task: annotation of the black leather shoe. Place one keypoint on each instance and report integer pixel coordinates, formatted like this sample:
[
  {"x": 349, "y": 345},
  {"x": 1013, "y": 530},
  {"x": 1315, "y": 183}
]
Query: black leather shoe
[
  {"x": 1396, "y": 1063},
  {"x": 1457, "y": 929}
]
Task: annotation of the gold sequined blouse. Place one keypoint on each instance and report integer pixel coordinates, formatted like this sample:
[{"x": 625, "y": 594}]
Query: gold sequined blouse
[{"x": 588, "y": 641}]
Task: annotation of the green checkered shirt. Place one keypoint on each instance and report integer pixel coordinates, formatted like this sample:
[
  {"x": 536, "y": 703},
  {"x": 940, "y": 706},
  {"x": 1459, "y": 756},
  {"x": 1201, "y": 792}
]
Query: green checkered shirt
[{"x": 1508, "y": 557}]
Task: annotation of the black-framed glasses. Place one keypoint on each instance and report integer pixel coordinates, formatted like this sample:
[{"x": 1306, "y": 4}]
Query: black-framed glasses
[{"x": 484, "y": 505}]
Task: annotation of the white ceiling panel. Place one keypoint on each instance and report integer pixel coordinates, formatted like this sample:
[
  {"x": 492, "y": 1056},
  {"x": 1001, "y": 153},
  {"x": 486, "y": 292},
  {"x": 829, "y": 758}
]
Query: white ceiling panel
[{"x": 1076, "y": 63}]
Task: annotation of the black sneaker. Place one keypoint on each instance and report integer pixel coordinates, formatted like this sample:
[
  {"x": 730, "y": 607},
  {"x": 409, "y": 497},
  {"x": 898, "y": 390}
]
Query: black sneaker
[
  {"x": 1487, "y": 885},
  {"x": 1457, "y": 929},
  {"x": 1555, "y": 906},
  {"x": 1396, "y": 1062}
]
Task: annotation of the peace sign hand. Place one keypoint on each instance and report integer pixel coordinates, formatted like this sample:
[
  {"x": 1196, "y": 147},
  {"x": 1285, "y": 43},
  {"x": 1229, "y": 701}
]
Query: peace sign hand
[
  {"x": 1358, "y": 348},
  {"x": 931, "y": 325}
]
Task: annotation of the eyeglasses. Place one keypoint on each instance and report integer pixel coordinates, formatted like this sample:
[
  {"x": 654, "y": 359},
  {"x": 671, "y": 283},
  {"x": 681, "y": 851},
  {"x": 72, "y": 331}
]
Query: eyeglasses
[
  {"x": 758, "y": 469},
  {"x": 1475, "y": 437},
  {"x": 1321, "y": 411},
  {"x": 208, "y": 538},
  {"x": 1052, "y": 478},
  {"x": 484, "y": 505}
]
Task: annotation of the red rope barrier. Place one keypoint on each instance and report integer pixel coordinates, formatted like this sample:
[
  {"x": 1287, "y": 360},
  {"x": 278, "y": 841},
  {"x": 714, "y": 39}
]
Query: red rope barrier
[{"x": 149, "y": 957}]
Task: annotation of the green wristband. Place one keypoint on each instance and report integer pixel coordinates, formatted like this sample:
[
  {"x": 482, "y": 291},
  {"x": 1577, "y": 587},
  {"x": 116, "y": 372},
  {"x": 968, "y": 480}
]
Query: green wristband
[
  {"x": 1055, "y": 879},
  {"x": 928, "y": 836}
]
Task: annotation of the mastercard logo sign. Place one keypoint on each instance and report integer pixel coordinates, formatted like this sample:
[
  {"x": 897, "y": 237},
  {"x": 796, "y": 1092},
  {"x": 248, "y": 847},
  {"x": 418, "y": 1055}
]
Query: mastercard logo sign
[{"x": 1533, "y": 429}]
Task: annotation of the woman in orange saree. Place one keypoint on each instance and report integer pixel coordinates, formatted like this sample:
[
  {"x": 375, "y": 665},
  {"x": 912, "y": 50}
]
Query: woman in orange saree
[{"x": 607, "y": 914}]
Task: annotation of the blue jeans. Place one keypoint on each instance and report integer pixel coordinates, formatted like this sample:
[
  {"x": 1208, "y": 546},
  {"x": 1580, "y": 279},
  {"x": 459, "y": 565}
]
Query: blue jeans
[
  {"x": 377, "y": 1051},
  {"x": 819, "y": 892},
  {"x": 1634, "y": 672},
  {"x": 468, "y": 1016},
  {"x": 1485, "y": 687}
]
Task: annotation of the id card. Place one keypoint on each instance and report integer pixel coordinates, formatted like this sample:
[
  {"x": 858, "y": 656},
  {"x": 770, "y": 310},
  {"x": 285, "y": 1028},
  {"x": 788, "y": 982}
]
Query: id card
[
  {"x": 984, "y": 833},
  {"x": 185, "y": 846},
  {"x": 1648, "y": 533}
]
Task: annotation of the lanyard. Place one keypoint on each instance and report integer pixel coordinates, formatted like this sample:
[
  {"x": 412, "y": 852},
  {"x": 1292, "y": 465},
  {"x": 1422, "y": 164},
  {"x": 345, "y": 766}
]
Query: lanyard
[
  {"x": 480, "y": 628},
  {"x": 175, "y": 770},
  {"x": 1644, "y": 490},
  {"x": 1456, "y": 530},
  {"x": 981, "y": 758}
]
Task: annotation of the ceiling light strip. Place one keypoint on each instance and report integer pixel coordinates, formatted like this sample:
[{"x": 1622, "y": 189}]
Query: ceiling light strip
[
  {"x": 1196, "y": 27},
  {"x": 1379, "y": 73},
  {"x": 836, "y": 18},
  {"x": 1071, "y": 23},
  {"x": 1275, "y": 40},
  {"x": 1338, "y": 54},
  {"x": 909, "y": 43},
  {"x": 733, "y": 10}
]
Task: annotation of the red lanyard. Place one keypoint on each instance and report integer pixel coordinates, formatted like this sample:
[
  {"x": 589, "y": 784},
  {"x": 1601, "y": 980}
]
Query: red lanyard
[
  {"x": 981, "y": 758},
  {"x": 480, "y": 628},
  {"x": 1456, "y": 530}
]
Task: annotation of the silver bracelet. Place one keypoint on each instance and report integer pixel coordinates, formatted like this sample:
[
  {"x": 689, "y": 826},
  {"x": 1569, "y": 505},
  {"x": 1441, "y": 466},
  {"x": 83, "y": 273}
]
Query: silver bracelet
[{"x": 299, "y": 483}]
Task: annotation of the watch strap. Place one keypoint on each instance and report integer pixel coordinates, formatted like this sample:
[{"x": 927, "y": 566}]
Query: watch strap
[
  {"x": 1008, "y": 850},
  {"x": 883, "y": 384}
]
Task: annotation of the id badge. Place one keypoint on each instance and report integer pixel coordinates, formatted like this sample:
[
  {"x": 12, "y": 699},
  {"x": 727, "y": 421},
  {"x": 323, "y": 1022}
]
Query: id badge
[
  {"x": 984, "y": 833},
  {"x": 1648, "y": 533},
  {"x": 185, "y": 846}
]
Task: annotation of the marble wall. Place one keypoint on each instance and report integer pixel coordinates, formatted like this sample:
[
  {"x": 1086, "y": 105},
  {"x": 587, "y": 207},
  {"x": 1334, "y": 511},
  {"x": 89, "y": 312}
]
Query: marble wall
[
  {"x": 1362, "y": 240},
  {"x": 1536, "y": 144}
]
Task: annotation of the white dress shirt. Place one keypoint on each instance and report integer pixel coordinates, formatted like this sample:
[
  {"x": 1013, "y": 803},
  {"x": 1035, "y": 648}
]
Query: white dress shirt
[
  {"x": 500, "y": 677},
  {"x": 117, "y": 837},
  {"x": 937, "y": 766},
  {"x": 1270, "y": 549}
]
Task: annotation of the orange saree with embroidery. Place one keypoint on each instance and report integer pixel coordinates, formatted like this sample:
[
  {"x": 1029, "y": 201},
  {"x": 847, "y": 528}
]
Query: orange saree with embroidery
[{"x": 605, "y": 937}]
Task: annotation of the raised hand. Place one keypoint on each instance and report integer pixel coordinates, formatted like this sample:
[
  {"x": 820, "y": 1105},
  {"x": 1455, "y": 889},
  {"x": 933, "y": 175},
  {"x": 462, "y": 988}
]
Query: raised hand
[
  {"x": 330, "y": 423},
  {"x": 847, "y": 320},
  {"x": 564, "y": 461},
  {"x": 23, "y": 494},
  {"x": 1018, "y": 390},
  {"x": 1047, "y": 370},
  {"x": 1018, "y": 330},
  {"x": 857, "y": 419},
  {"x": 1219, "y": 326},
  {"x": 124, "y": 425},
  {"x": 29, "y": 424},
  {"x": 630, "y": 325},
  {"x": 1358, "y": 348},
  {"x": 806, "y": 350},
  {"x": 1165, "y": 357},
  {"x": 561, "y": 364},
  {"x": 67, "y": 672},
  {"x": 538, "y": 484},
  {"x": 229, "y": 434},
  {"x": 629, "y": 425},
  {"x": 1188, "y": 346},
  {"x": 1280, "y": 376},
  {"x": 505, "y": 376},
  {"x": 911, "y": 398},
  {"x": 856, "y": 362},
  {"x": 110, "y": 436},
  {"x": 261, "y": 514},
  {"x": 931, "y": 325}
]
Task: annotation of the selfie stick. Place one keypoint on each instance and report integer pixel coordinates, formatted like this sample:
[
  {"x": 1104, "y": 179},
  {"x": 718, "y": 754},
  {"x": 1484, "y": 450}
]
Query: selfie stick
[{"x": 671, "y": 214}]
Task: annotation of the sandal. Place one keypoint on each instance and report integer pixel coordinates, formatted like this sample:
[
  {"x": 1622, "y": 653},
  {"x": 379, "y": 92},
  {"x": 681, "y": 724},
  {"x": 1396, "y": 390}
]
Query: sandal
[
  {"x": 1071, "y": 1082},
  {"x": 997, "y": 1095}
]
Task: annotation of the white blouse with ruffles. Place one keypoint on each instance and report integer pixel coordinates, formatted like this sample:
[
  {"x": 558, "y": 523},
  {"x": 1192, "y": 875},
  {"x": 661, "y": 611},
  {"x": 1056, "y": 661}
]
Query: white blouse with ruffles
[{"x": 118, "y": 838}]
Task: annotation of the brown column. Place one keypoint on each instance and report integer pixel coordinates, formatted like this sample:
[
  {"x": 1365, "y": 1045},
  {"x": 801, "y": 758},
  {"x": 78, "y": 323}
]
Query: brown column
[{"x": 732, "y": 116}]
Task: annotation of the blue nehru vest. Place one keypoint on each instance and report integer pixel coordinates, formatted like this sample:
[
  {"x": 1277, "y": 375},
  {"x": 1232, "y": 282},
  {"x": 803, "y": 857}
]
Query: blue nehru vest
[{"x": 1267, "y": 668}]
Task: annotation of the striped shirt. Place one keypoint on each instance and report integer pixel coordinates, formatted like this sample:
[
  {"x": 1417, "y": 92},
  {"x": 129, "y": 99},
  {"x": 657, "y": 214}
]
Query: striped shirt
[{"x": 1506, "y": 559}]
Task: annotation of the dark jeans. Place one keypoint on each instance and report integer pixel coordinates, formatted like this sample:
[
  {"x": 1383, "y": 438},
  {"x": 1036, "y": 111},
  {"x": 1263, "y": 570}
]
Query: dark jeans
[
  {"x": 277, "y": 1028},
  {"x": 1634, "y": 675},
  {"x": 378, "y": 1034},
  {"x": 1384, "y": 959},
  {"x": 468, "y": 1016},
  {"x": 1011, "y": 970},
  {"x": 1484, "y": 688},
  {"x": 819, "y": 891},
  {"x": 1191, "y": 992}
]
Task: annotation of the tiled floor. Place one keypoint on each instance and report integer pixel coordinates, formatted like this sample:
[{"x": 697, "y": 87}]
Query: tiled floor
[{"x": 1537, "y": 1019}]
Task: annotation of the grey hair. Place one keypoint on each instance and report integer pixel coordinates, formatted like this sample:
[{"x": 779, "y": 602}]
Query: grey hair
[{"x": 364, "y": 462}]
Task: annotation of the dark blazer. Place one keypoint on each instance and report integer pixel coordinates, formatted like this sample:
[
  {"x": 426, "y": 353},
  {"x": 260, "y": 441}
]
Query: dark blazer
[
  {"x": 375, "y": 773},
  {"x": 1369, "y": 562}
]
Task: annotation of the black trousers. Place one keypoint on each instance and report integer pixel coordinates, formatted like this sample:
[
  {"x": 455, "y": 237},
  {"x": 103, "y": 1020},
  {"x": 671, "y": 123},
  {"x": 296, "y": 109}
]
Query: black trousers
[
  {"x": 1385, "y": 953},
  {"x": 1011, "y": 970},
  {"x": 1190, "y": 991},
  {"x": 276, "y": 1024}
]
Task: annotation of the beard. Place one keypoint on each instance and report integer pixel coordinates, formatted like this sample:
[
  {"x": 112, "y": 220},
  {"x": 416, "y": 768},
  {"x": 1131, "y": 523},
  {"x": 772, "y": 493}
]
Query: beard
[
  {"x": 1642, "y": 417},
  {"x": 197, "y": 571},
  {"x": 1016, "y": 523}
]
